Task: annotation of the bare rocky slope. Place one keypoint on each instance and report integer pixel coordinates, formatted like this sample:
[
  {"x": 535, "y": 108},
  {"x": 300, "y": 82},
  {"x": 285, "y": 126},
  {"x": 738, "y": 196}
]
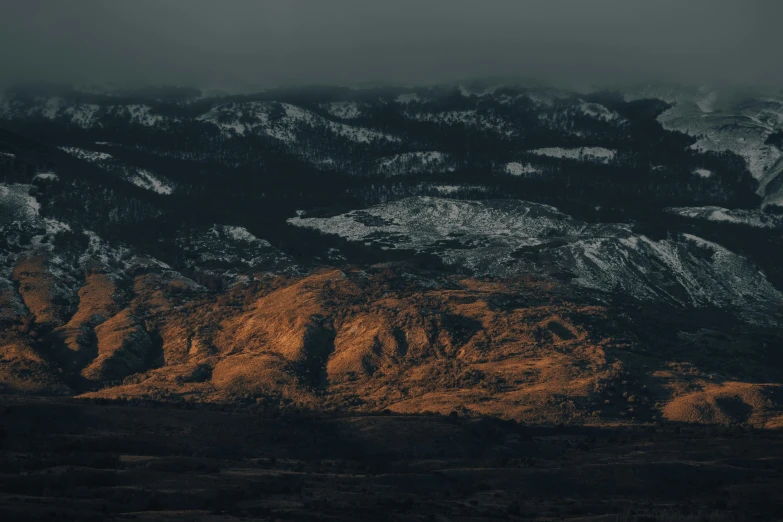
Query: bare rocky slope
[{"x": 388, "y": 338}]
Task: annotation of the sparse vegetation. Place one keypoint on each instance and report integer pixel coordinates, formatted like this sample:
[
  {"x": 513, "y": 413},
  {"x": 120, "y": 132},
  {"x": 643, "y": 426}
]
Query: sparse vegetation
[{"x": 105, "y": 459}]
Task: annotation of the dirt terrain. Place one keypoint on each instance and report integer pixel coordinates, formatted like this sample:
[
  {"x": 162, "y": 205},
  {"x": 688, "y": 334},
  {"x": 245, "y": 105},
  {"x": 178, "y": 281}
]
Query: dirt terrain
[{"x": 390, "y": 338}]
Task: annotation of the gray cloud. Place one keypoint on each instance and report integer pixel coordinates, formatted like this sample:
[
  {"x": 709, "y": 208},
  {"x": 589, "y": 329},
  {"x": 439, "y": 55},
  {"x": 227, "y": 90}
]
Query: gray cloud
[{"x": 401, "y": 41}]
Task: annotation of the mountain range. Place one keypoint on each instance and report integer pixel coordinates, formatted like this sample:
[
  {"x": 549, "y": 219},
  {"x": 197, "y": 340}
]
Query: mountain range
[{"x": 525, "y": 252}]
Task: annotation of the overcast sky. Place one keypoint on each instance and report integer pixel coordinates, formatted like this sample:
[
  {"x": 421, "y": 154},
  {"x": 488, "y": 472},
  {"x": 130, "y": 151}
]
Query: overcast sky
[{"x": 230, "y": 42}]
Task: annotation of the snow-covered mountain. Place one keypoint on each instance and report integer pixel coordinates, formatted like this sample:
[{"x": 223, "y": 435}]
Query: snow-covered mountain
[
  {"x": 508, "y": 237},
  {"x": 662, "y": 194},
  {"x": 722, "y": 120}
]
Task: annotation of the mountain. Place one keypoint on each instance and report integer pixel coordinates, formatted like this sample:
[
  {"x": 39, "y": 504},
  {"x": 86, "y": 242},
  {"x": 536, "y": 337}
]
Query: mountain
[
  {"x": 523, "y": 252},
  {"x": 745, "y": 124},
  {"x": 510, "y": 237}
]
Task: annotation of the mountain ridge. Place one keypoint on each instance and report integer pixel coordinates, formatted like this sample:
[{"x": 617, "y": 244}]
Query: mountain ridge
[{"x": 522, "y": 252}]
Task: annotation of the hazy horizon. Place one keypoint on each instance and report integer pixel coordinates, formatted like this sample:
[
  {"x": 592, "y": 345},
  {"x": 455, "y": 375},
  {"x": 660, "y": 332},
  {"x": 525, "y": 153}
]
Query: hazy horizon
[{"x": 347, "y": 42}]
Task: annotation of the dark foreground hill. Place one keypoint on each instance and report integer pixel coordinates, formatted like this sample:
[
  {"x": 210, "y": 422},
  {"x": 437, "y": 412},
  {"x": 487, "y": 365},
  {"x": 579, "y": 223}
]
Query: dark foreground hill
[{"x": 65, "y": 459}]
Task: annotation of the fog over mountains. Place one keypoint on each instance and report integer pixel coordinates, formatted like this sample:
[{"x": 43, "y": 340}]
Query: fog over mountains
[{"x": 252, "y": 45}]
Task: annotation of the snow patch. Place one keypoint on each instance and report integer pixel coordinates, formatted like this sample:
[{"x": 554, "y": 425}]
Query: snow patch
[
  {"x": 469, "y": 118},
  {"x": 141, "y": 115},
  {"x": 147, "y": 180},
  {"x": 453, "y": 189},
  {"x": 16, "y": 203},
  {"x": 85, "y": 116},
  {"x": 414, "y": 162},
  {"x": 519, "y": 169},
  {"x": 598, "y": 111},
  {"x": 241, "y": 234},
  {"x": 446, "y": 117},
  {"x": 230, "y": 250},
  {"x": 87, "y": 155},
  {"x": 54, "y": 227},
  {"x": 598, "y": 154},
  {"x": 753, "y": 218},
  {"x": 282, "y": 121},
  {"x": 343, "y": 110}
]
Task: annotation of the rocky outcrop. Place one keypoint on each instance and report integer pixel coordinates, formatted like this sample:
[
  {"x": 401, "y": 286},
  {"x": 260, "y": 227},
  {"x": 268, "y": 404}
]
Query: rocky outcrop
[{"x": 124, "y": 348}]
